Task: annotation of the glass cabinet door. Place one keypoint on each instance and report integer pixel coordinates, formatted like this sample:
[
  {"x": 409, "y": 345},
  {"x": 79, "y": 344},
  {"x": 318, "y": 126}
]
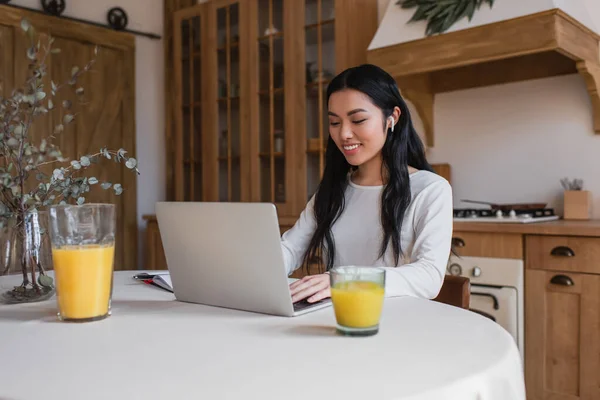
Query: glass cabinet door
[
  {"x": 188, "y": 47},
  {"x": 271, "y": 101},
  {"x": 229, "y": 108},
  {"x": 272, "y": 127},
  {"x": 320, "y": 68}
]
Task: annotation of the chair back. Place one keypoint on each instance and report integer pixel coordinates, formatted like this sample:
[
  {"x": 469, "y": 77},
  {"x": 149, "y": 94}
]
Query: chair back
[{"x": 455, "y": 291}]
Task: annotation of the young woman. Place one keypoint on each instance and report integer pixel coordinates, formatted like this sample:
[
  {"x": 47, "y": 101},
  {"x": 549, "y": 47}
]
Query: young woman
[{"x": 378, "y": 203}]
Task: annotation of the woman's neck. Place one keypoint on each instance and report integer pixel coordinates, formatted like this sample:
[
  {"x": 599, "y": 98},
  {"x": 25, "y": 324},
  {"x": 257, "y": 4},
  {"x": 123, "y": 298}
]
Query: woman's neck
[{"x": 371, "y": 174}]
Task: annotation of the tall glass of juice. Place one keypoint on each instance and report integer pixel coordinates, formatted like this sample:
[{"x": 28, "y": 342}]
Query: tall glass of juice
[
  {"x": 83, "y": 250},
  {"x": 357, "y": 295}
]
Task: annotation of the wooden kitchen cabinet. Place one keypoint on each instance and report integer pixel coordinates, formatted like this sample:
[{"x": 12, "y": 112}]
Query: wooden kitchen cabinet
[
  {"x": 562, "y": 340},
  {"x": 250, "y": 81},
  {"x": 488, "y": 244}
]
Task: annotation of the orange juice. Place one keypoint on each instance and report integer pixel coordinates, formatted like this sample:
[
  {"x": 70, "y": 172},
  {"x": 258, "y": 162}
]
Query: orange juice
[
  {"x": 83, "y": 280},
  {"x": 357, "y": 304}
]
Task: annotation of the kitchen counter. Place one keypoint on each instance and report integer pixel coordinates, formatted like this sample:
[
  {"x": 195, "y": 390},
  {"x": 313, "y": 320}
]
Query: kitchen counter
[{"x": 560, "y": 227}]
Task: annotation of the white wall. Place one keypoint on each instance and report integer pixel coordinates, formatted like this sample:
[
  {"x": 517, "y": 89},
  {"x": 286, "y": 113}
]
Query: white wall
[
  {"x": 513, "y": 143},
  {"x": 145, "y": 16}
]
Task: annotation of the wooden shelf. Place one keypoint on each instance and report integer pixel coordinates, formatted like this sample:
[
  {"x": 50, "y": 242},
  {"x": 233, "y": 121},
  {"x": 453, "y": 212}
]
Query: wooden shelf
[
  {"x": 275, "y": 155},
  {"x": 540, "y": 45},
  {"x": 224, "y": 99},
  {"x": 272, "y": 35},
  {"x": 223, "y": 48},
  {"x": 269, "y": 92},
  {"x": 323, "y": 83},
  {"x": 322, "y": 23},
  {"x": 225, "y": 158}
]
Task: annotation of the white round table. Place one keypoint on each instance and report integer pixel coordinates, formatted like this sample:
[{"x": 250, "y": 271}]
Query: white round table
[{"x": 153, "y": 347}]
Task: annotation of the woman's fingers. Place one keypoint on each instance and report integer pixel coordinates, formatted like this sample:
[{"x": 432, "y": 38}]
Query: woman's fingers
[
  {"x": 323, "y": 294},
  {"x": 310, "y": 286},
  {"x": 302, "y": 283}
]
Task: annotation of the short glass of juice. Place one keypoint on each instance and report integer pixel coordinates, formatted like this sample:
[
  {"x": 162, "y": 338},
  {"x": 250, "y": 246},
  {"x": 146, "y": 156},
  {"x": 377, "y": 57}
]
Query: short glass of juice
[
  {"x": 83, "y": 252},
  {"x": 357, "y": 295}
]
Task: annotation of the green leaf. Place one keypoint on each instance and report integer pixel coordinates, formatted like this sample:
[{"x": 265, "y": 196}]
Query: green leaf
[
  {"x": 75, "y": 164},
  {"x": 106, "y": 185},
  {"x": 25, "y": 25},
  {"x": 67, "y": 104},
  {"x": 54, "y": 87},
  {"x": 59, "y": 129},
  {"x": 18, "y": 130},
  {"x": 118, "y": 189},
  {"x": 74, "y": 70},
  {"x": 79, "y": 91},
  {"x": 12, "y": 142},
  {"x": 31, "y": 53},
  {"x": 46, "y": 281},
  {"x": 50, "y": 104},
  {"x": 80, "y": 201},
  {"x": 67, "y": 119},
  {"x": 58, "y": 174},
  {"x": 131, "y": 163},
  {"x": 55, "y": 51},
  {"x": 92, "y": 181},
  {"x": 85, "y": 161}
]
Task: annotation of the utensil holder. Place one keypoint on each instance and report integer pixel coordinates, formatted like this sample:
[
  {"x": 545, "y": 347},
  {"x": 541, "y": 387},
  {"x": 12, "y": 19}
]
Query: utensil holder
[{"x": 577, "y": 204}]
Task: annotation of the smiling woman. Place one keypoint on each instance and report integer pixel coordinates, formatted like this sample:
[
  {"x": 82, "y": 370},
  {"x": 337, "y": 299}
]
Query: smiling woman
[{"x": 379, "y": 203}]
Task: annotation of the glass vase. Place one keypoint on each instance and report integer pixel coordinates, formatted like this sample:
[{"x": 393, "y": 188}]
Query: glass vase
[{"x": 25, "y": 250}]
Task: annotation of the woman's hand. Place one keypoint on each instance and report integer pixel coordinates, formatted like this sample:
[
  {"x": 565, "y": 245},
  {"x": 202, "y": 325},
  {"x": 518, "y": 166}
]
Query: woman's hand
[{"x": 311, "y": 287}]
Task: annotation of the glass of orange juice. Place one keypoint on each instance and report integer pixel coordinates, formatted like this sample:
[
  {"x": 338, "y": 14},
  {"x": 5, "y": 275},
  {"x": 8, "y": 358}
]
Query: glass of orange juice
[
  {"x": 83, "y": 249},
  {"x": 357, "y": 295}
]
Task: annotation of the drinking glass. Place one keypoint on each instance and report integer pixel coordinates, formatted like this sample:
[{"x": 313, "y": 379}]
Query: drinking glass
[
  {"x": 83, "y": 250},
  {"x": 357, "y": 295}
]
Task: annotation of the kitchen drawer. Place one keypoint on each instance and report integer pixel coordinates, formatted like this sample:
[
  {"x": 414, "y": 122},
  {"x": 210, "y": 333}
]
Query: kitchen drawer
[
  {"x": 563, "y": 253},
  {"x": 486, "y": 244}
]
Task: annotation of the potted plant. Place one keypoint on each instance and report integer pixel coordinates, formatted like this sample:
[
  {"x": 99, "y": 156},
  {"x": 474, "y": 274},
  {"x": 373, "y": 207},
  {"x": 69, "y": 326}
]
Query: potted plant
[{"x": 34, "y": 174}]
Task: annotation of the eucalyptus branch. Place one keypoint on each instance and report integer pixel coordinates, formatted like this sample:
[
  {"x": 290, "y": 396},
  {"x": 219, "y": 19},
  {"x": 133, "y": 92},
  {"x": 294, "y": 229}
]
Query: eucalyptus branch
[{"x": 21, "y": 160}]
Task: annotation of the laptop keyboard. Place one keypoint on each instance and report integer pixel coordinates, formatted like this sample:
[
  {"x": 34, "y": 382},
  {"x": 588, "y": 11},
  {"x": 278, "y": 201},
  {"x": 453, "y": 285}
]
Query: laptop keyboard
[{"x": 304, "y": 304}]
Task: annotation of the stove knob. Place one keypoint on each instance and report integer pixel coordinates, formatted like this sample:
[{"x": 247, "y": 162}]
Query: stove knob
[
  {"x": 513, "y": 214},
  {"x": 455, "y": 269},
  {"x": 476, "y": 272}
]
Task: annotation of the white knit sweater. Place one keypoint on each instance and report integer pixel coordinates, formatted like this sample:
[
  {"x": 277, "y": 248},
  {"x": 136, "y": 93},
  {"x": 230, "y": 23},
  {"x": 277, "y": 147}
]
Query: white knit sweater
[{"x": 425, "y": 236}]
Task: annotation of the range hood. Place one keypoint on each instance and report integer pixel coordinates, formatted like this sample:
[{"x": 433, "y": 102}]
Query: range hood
[{"x": 513, "y": 41}]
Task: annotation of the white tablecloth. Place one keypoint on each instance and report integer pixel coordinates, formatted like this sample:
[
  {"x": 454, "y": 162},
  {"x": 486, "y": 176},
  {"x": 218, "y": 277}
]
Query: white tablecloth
[{"x": 153, "y": 347}]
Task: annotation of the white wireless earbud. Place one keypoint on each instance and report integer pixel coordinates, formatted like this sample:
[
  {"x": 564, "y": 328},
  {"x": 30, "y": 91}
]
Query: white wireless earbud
[{"x": 392, "y": 121}]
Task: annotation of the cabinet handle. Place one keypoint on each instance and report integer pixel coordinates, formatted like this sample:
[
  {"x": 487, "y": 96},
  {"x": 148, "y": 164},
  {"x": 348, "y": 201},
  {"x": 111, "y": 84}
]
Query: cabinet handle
[
  {"x": 562, "y": 280},
  {"x": 562, "y": 251},
  {"x": 458, "y": 242}
]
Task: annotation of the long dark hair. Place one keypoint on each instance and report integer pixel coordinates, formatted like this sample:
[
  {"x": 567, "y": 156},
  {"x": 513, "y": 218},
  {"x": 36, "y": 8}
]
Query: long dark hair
[{"x": 402, "y": 148}]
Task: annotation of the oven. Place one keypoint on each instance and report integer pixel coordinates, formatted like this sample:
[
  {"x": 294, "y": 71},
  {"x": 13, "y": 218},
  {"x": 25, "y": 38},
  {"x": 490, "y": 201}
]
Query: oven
[{"x": 496, "y": 291}]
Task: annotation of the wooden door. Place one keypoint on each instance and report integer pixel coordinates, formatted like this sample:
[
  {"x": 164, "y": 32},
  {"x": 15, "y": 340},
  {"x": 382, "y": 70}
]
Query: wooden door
[
  {"x": 562, "y": 340},
  {"x": 275, "y": 78},
  {"x": 107, "y": 119},
  {"x": 6, "y": 60}
]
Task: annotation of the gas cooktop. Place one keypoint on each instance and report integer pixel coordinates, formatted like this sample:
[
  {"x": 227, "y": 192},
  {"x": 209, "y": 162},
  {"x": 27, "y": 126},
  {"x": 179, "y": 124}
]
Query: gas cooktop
[{"x": 499, "y": 216}]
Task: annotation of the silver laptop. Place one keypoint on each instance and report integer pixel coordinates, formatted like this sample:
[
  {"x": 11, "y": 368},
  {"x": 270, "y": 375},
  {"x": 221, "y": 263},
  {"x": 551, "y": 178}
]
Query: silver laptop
[{"x": 228, "y": 255}]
